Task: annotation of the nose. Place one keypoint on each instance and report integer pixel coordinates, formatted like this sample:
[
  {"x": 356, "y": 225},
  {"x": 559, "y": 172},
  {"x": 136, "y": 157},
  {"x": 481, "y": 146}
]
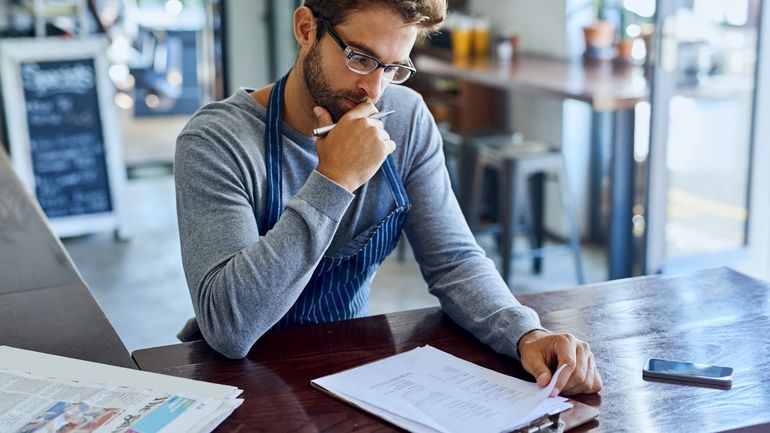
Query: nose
[{"x": 372, "y": 84}]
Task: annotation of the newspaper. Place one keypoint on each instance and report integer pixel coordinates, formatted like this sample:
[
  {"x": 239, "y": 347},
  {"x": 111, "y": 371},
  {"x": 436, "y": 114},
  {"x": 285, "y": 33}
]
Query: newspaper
[
  {"x": 32, "y": 403},
  {"x": 47, "y": 365}
]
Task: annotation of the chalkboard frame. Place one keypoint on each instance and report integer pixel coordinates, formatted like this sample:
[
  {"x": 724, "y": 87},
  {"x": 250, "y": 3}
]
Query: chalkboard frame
[{"x": 14, "y": 53}]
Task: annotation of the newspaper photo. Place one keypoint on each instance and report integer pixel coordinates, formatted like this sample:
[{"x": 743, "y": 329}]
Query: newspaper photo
[{"x": 35, "y": 404}]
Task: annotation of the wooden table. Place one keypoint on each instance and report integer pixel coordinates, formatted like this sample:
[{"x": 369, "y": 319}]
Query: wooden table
[
  {"x": 44, "y": 304},
  {"x": 602, "y": 86},
  {"x": 612, "y": 94},
  {"x": 717, "y": 316}
]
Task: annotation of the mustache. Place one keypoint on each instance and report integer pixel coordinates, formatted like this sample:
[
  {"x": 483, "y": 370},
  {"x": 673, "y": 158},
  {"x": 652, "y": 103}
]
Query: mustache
[{"x": 358, "y": 97}]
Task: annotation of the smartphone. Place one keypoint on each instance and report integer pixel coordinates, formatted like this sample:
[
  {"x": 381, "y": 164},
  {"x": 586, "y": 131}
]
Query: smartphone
[{"x": 681, "y": 371}]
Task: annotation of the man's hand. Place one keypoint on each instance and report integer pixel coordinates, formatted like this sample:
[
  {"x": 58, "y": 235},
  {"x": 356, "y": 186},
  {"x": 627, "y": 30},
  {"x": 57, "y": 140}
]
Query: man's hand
[
  {"x": 541, "y": 352},
  {"x": 354, "y": 150}
]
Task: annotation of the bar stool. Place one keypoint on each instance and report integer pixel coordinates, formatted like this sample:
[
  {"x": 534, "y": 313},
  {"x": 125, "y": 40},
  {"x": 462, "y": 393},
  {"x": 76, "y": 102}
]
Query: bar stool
[{"x": 521, "y": 171}]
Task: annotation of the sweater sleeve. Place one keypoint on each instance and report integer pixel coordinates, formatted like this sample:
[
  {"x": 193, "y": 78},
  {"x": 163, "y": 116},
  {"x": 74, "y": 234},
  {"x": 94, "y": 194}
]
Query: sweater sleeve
[
  {"x": 242, "y": 283},
  {"x": 457, "y": 271}
]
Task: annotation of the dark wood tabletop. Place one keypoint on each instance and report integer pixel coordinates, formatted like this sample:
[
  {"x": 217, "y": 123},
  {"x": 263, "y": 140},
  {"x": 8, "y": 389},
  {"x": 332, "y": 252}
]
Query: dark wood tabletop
[
  {"x": 44, "y": 304},
  {"x": 717, "y": 317},
  {"x": 604, "y": 86}
]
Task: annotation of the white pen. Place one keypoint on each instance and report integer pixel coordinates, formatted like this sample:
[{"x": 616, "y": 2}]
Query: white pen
[{"x": 322, "y": 131}]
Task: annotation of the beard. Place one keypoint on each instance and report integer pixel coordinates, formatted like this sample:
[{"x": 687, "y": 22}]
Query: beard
[{"x": 317, "y": 83}]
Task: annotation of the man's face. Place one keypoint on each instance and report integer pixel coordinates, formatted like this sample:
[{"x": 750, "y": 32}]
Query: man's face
[{"x": 377, "y": 32}]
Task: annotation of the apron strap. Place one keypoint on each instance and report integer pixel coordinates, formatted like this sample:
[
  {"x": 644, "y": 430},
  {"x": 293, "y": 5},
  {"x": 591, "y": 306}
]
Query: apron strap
[
  {"x": 274, "y": 155},
  {"x": 394, "y": 182}
]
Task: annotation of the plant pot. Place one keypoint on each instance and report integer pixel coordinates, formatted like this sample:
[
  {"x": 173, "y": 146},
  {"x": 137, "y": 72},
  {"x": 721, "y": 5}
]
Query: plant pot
[
  {"x": 625, "y": 47},
  {"x": 599, "y": 35}
]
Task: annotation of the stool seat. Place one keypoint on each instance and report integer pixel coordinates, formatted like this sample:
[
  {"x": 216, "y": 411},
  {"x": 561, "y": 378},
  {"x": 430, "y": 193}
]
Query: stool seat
[
  {"x": 519, "y": 150},
  {"x": 521, "y": 170}
]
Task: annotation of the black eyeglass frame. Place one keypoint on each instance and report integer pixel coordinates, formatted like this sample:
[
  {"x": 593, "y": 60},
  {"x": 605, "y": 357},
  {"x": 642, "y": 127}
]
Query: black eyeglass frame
[{"x": 349, "y": 53}]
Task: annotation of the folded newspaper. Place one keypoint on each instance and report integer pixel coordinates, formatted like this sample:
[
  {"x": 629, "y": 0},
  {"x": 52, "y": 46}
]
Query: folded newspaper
[{"x": 32, "y": 403}]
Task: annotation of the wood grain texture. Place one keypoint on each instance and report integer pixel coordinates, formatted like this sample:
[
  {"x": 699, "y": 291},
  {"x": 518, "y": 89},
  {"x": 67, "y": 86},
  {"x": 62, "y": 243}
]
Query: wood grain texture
[
  {"x": 717, "y": 316},
  {"x": 31, "y": 257},
  {"x": 44, "y": 304}
]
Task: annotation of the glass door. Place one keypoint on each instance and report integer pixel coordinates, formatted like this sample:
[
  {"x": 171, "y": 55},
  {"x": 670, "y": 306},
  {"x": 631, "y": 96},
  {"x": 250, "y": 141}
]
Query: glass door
[{"x": 702, "y": 140}]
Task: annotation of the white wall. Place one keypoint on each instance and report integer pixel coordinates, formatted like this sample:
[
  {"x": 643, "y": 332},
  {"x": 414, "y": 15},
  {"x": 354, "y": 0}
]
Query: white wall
[
  {"x": 553, "y": 28},
  {"x": 5, "y": 20},
  {"x": 247, "y": 44}
]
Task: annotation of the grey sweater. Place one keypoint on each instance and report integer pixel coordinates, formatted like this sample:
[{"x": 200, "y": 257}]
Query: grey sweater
[{"x": 242, "y": 283}]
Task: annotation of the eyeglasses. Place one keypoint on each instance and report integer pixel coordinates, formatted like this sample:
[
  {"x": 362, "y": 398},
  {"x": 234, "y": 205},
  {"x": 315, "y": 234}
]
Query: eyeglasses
[{"x": 364, "y": 64}]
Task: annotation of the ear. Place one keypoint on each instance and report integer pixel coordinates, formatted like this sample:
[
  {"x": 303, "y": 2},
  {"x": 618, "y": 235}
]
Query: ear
[{"x": 304, "y": 27}]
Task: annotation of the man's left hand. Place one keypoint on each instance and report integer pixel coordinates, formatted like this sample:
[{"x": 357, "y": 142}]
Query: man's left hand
[{"x": 543, "y": 351}]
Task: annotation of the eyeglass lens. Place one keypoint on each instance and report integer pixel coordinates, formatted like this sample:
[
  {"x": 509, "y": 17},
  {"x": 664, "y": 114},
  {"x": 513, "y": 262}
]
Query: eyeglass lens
[{"x": 364, "y": 65}]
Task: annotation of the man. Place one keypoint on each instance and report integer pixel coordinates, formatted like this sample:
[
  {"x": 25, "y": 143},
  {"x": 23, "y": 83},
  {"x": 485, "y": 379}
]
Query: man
[{"x": 280, "y": 229}]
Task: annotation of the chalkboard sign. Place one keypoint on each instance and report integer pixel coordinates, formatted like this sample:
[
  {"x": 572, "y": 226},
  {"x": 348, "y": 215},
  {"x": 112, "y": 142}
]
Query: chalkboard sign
[
  {"x": 62, "y": 131},
  {"x": 65, "y": 137}
]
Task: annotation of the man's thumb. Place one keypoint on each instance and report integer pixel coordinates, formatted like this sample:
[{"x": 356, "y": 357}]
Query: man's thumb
[
  {"x": 541, "y": 372},
  {"x": 323, "y": 116}
]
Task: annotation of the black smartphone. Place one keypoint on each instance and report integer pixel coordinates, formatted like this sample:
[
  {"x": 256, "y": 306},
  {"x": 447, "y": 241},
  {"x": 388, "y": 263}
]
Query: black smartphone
[{"x": 681, "y": 371}]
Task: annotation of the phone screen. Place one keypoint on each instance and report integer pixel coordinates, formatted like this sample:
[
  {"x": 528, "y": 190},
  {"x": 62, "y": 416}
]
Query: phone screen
[{"x": 688, "y": 371}]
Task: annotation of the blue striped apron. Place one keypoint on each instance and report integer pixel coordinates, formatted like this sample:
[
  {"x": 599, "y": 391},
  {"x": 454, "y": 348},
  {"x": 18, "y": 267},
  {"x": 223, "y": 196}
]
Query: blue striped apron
[{"x": 339, "y": 286}]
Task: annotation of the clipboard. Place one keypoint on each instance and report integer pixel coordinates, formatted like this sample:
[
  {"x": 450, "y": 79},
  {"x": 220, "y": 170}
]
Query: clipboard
[{"x": 561, "y": 422}]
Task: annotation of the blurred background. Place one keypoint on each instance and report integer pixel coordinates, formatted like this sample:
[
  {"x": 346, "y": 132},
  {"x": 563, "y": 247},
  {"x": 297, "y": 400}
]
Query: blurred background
[{"x": 586, "y": 140}]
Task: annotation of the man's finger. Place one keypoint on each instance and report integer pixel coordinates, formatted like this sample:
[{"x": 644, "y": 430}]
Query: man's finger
[
  {"x": 598, "y": 384},
  {"x": 537, "y": 367},
  {"x": 322, "y": 116},
  {"x": 565, "y": 354},
  {"x": 364, "y": 109},
  {"x": 582, "y": 377},
  {"x": 593, "y": 382},
  {"x": 390, "y": 145},
  {"x": 596, "y": 380},
  {"x": 592, "y": 376},
  {"x": 384, "y": 135}
]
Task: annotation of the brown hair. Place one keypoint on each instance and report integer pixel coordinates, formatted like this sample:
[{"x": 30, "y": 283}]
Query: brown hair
[{"x": 427, "y": 15}]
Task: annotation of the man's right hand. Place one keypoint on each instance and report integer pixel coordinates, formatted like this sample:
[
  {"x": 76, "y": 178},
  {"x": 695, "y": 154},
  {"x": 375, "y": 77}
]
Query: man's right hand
[{"x": 354, "y": 150}]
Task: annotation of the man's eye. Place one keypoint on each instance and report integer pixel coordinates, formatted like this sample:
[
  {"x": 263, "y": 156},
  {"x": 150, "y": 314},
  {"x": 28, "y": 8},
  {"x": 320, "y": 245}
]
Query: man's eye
[{"x": 363, "y": 62}]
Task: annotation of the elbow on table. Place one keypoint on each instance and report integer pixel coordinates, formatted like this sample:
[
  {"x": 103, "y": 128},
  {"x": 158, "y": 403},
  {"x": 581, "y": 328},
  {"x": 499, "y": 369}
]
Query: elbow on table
[
  {"x": 231, "y": 337},
  {"x": 224, "y": 334},
  {"x": 227, "y": 345}
]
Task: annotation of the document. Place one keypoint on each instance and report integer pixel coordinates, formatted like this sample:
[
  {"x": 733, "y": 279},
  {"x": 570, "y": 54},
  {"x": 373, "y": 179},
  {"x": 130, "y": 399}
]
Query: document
[
  {"x": 49, "y": 401},
  {"x": 428, "y": 390}
]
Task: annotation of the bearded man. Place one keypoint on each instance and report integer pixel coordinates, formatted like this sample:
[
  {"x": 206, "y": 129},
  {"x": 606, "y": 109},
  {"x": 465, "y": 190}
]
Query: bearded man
[{"x": 281, "y": 228}]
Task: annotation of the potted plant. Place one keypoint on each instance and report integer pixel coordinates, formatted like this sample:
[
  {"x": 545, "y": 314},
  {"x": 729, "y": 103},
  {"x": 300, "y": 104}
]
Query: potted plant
[
  {"x": 599, "y": 35},
  {"x": 625, "y": 43},
  {"x": 632, "y": 29}
]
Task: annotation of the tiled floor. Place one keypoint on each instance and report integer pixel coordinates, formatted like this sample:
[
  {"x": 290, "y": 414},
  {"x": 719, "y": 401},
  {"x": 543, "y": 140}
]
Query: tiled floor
[{"x": 140, "y": 283}]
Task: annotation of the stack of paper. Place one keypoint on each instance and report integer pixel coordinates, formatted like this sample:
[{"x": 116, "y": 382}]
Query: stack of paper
[
  {"x": 427, "y": 390},
  {"x": 47, "y": 393}
]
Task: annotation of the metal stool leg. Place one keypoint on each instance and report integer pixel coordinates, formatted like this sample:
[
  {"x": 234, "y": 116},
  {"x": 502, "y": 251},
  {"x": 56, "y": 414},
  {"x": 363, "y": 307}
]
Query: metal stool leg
[
  {"x": 537, "y": 203},
  {"x": 473, "y": 204},
  {"x": 512, "y": 195}
]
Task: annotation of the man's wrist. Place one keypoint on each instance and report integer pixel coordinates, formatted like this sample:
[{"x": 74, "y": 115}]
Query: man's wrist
[
  {"x": 325, "y": 195},
  {"x": 532, "y": 335},
  {"x": 335, "y": 179}
]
